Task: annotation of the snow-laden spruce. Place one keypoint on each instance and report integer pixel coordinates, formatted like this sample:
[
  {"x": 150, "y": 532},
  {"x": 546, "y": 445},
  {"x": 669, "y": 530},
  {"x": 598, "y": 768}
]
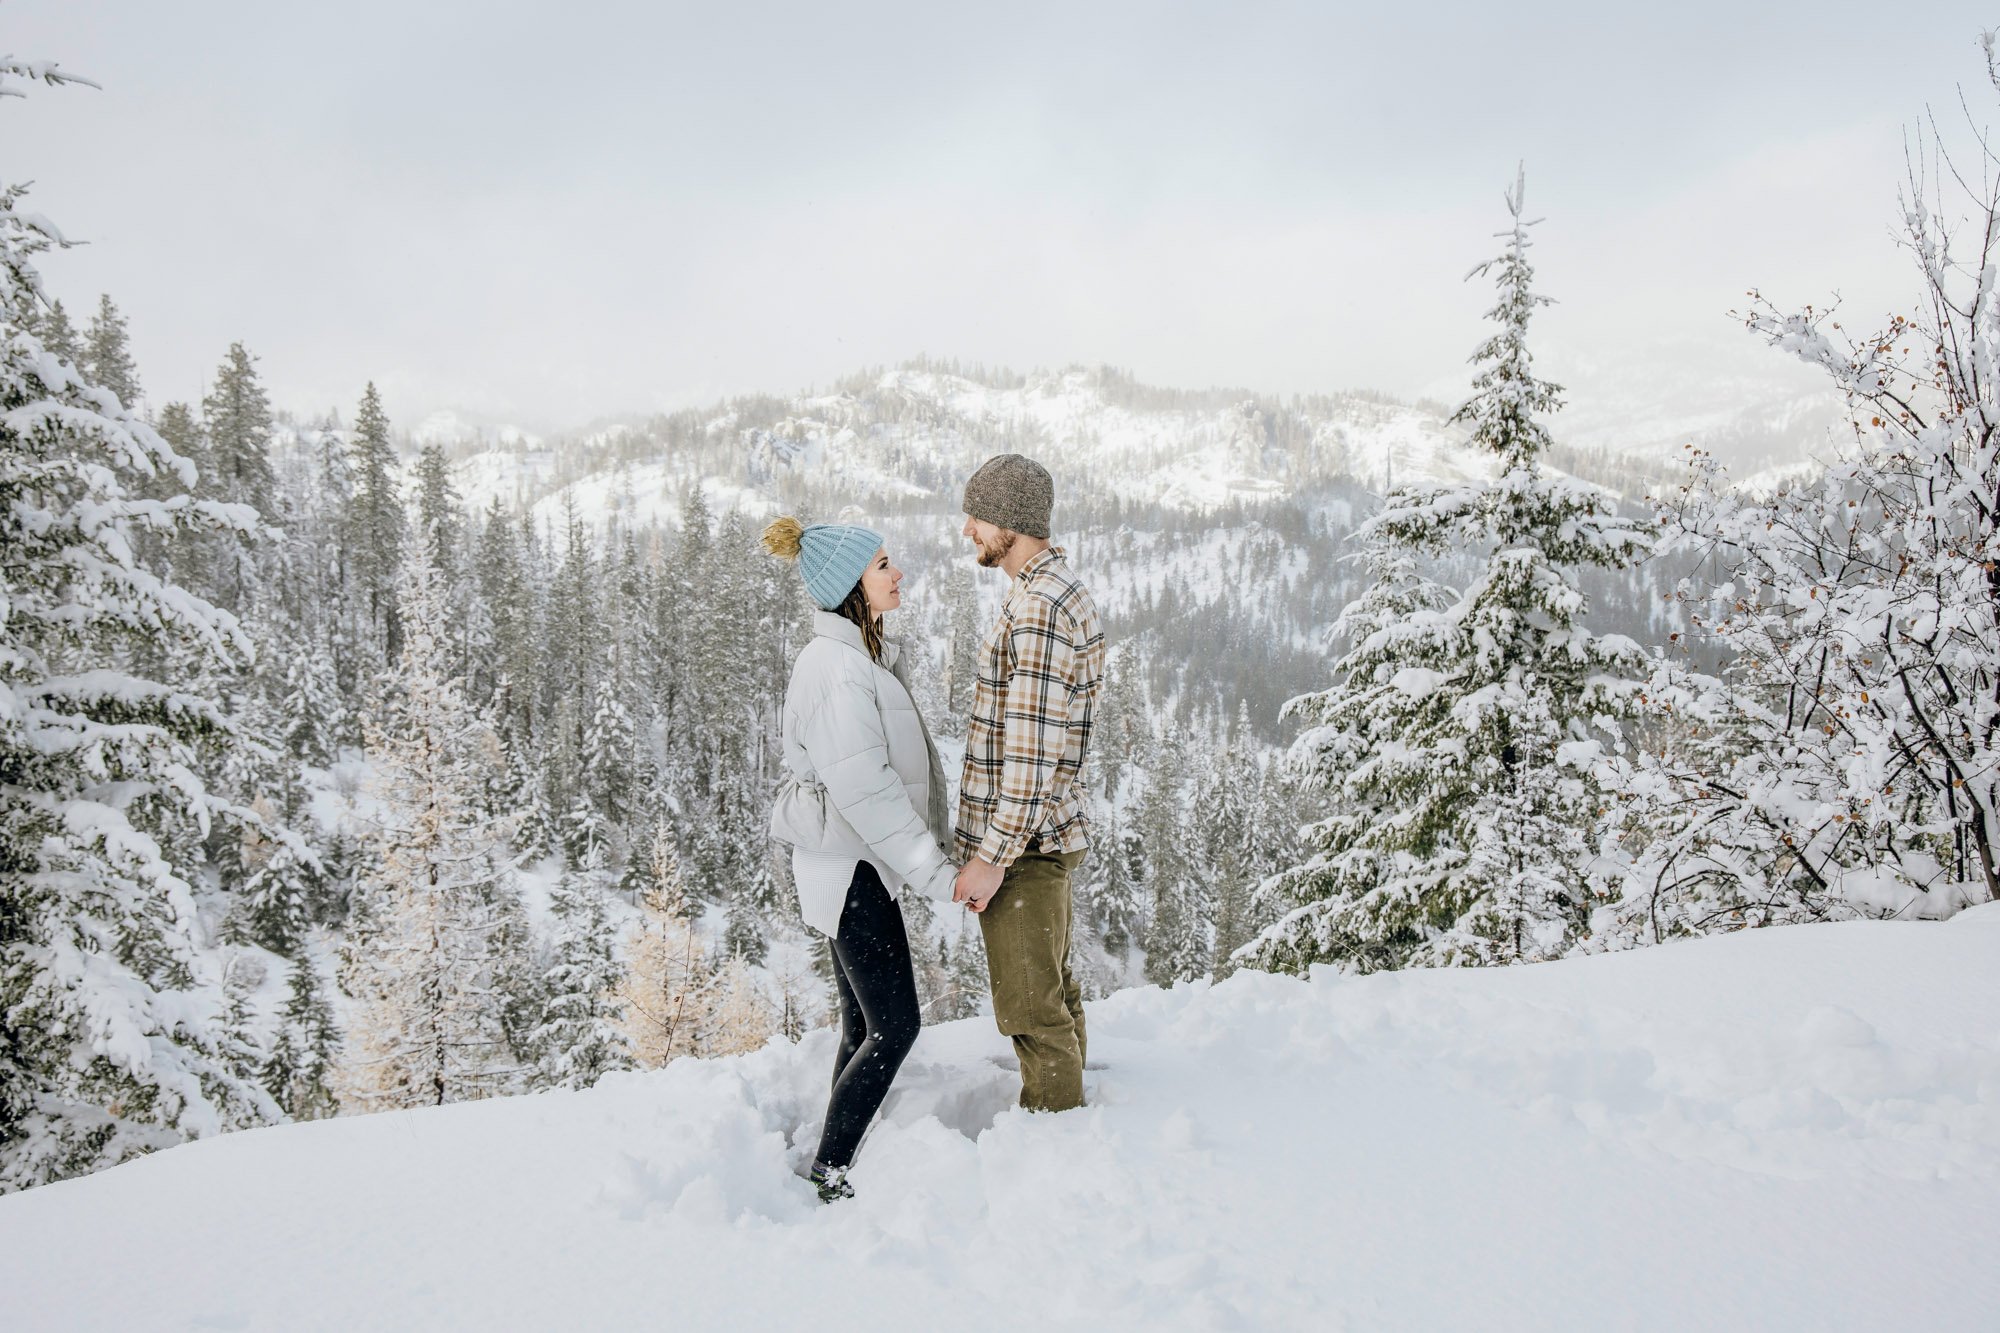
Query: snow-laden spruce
[
  {"x": 1456, "y": 749},
  {"x": 435, "y": 938},
  {"x": 115, "y": 1031}
]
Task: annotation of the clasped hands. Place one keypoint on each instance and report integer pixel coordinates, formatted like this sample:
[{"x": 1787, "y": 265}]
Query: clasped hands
[{"x": 977, "y": 882}]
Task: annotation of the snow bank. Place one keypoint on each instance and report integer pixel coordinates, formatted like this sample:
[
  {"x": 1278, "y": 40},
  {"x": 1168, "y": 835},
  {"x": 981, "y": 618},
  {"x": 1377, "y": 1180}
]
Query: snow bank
[{"x": 1794, "y": 1128}]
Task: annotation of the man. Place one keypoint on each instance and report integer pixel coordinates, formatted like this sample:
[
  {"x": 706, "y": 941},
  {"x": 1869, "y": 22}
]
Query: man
[{"x": 1021, "y": 829}]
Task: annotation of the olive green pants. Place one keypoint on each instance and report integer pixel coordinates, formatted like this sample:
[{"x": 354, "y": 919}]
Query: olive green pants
[{"x": 1036, "y": 1000}]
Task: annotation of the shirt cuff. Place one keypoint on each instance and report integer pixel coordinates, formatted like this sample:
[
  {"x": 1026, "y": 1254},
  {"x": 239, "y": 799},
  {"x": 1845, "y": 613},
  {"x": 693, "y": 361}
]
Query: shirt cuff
[{"x": 1000, "y": 850}]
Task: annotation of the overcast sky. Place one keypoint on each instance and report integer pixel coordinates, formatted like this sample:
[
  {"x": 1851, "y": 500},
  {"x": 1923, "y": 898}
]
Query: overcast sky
[{"x": 544, "y": 213}]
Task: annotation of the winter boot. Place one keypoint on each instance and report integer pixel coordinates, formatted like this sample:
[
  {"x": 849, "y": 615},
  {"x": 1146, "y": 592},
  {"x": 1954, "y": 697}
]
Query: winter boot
[{"x": 831, "y": 1182}]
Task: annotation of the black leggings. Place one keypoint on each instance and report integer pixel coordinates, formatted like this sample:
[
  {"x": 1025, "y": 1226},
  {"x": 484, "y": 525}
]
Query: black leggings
[{"x": 878, "y": 1011}]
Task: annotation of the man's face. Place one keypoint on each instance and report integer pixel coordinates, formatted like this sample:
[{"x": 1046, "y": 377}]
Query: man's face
[{"x": 992, "y": 543}]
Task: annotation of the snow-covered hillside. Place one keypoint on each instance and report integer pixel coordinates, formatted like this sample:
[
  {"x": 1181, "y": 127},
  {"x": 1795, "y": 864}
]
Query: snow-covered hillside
[
  {"x": 912, "y": 434},
  {"x": 908, "y": 435},
  {"x": 1794, "y": 1128}
]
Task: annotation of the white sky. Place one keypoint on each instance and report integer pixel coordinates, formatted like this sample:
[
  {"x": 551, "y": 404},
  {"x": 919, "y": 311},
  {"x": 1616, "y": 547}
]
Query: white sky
[{"x": 543, "y": 213}]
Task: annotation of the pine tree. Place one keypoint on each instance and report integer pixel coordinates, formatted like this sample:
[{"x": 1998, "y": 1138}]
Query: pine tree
[
  {"x": 608, "y": 747},
  {"x": 1178, "y": 937},
  {"x": 1458, "y": 745},
  {"x": 507, "y": 593},
  {"x": 429, "y": 1022},
  {"x": 237, "y": 423},
  {"x": 1121, "y": 736},
  {"x": 743, "y": 930},
  {"x": 57, "y": 334},
  {"x": 181, "y": 428},
  {"x": 971, "y": 981},
  {"x": 578, "y": 1039},
  {"x": 665, "y": 992},
  {"x": 742, "y": 1019},
  {"x": 312, "y": 714},
  {"x": 273, "y": 875},
  {"x": 374, "y": 523},
  {"x": 962, "y": 656},
  {"x": 237, "y": 430},
  {"x": 111, "y": 1040},
  {"x": 107, "y": 354},
  {"x": 1115, "y": 904},
  {"x": 538, "y": 832},
  {"x": 1222, "y": 822},
  {"x": 299, "y": 1068},
  {"x": 240, "y": 1048},
  {"x": 438, "y": 506},
  {"x": 188, "y": 554}
]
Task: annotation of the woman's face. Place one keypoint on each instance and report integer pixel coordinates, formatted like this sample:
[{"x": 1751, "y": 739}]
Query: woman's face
[{"x": 880, "y": 583}]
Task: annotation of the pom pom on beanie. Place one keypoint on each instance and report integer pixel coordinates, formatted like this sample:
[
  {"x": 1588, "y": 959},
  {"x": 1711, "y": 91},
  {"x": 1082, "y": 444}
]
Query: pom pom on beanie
[
  {"x": 831, "y": 557},
  {"x": 782, "y": 538}
]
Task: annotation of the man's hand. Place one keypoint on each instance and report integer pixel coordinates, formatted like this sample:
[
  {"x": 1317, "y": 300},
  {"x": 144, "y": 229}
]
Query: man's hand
[{"x": 977, "y": 882}]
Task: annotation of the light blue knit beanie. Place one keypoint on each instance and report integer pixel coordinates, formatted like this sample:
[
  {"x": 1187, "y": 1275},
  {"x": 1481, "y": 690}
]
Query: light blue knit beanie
[{"x": 832, "y": 556}]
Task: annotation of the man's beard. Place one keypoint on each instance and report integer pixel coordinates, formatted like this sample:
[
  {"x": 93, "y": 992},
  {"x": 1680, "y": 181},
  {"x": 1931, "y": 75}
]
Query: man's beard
[{"x": 1003, "y": 542}]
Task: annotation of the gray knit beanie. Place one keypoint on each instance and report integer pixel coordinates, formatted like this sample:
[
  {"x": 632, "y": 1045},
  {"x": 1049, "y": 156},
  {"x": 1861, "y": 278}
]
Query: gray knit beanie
[{"x": 1014, "y": 492}]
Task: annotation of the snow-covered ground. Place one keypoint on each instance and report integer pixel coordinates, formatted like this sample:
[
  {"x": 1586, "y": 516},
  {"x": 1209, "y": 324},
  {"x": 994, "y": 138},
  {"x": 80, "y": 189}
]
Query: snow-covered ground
[{"x": 1787, "y": 1129}]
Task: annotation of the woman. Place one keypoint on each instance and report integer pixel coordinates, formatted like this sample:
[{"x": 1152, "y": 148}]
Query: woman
[{"x": 863, "y": 810}]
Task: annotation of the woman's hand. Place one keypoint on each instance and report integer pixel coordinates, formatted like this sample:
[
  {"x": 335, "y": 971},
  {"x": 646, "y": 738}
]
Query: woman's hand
[{"x": 977, "y": 882}]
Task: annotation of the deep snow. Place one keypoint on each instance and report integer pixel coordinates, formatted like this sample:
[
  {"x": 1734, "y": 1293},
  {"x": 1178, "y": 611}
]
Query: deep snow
[{"x": 1795, "y": 1128}]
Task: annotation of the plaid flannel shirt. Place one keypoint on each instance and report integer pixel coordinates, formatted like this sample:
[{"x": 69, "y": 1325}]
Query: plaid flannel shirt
[{"x": 1040, "y": 671}]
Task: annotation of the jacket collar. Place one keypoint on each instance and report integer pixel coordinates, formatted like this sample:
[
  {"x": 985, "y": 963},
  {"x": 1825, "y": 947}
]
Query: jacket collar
[{"x": 833, "y": 625}]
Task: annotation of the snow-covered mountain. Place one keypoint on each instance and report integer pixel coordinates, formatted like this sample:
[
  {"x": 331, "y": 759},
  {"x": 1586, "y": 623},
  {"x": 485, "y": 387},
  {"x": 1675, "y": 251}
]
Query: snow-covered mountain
[
  {"x": 907, "y": 437},
  {"x": 1794, "y": 1128},
  {"x": 904, "y": 438}
]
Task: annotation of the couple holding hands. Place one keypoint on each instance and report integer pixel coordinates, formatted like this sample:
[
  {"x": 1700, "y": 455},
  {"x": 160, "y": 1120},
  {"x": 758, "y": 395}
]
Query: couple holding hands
[{"x": 864, "y": 808}]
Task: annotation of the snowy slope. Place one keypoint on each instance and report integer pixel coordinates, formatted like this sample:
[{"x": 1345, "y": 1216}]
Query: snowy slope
[
  {"x": 910, "y": 434},
  {"x": 1795, "y": 1128}
]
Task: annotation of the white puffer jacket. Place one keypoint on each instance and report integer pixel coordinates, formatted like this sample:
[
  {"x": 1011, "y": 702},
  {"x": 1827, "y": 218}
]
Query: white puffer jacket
[{"x": 865, "y": 783}]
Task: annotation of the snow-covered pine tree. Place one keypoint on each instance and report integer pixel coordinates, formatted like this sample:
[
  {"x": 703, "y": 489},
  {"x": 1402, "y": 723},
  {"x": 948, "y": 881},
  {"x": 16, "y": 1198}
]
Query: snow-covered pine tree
[
  {"x": 57, "y": 334},
  {"x": 236, "y": 418},
  {"x": 743, "y": 924},
  {"x": 1458, "y": 745},
  {"x": 743, "y": 1018},
  {"x": 537, "y": 831},
  {"x": 971, "y": 982},
  {"x": 429, "y": 1016},
  {"x": 509, "y": 660},
  {"x": 181, "y": 428},
  {"x": 608, "y": 748},
  {"x": 573, "y": 639},
  {"x": 375, "y": 524},
  {"x": 1121, "y": 735},
  {"x": 586, "y": 834},
  {"x": 311, "y": 722},
  {"x": 962, "y": 651},
  {"x": 1114, "y": 890},
  {"x": 1222, "y": 820},
  {"x": 107, "y": 354},
  {"x": 1179, "y": 935},
  {"x": 111, "y": 1040},
  {"x": 236, "y": 425},
  {"x": 665, "y": 991},
  {"x": 438, "y": 509},
  {"x": 579, "y": 1039},
  {"x": 299, "y": 1069},
  {"x": 1848, "y": 764}
]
